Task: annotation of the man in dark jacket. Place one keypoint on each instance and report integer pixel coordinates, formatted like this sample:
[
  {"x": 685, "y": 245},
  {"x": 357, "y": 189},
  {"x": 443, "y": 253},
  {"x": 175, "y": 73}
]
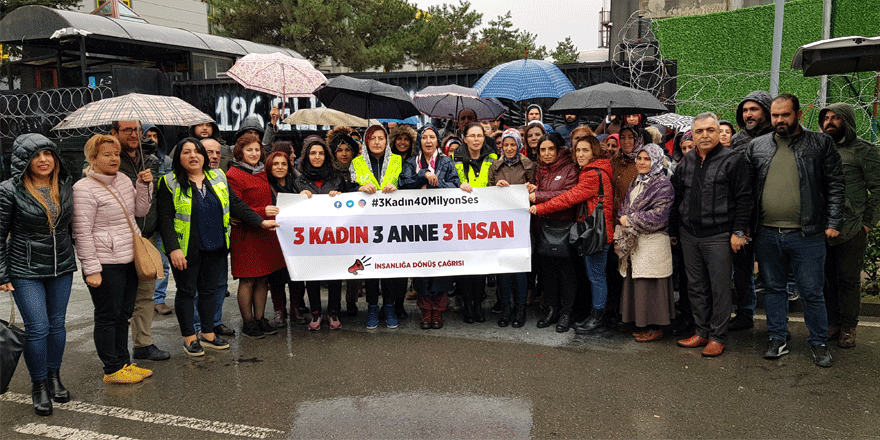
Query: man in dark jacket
[
  {"x": 791, "y": 226},
  {"x": 713, "y": 199},
  {"x": 845, "y": 253},
  {"x": 753, "y": 118},
  {"x": 133, "y": 161},
  {"x": 571, "y": 122}
]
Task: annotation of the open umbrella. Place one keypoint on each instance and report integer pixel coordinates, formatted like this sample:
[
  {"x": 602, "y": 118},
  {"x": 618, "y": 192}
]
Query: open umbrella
[
  {"x": 524, "y": 79},
  {"x": 277, "y": 74},
  {"x": 326, "y": 116},
  {"x": 838, "y": 55},
  {"x": 445, "y": 102},
  {"x": 606, "y": 98},
  {"x": 148, "y": 109},
  {"x": 673, "y": 120},
  {"x": 366, "y": 98}
]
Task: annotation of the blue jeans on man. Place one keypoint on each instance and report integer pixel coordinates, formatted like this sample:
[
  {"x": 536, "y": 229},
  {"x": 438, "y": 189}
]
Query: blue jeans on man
[
  {"x": 161, "y": 285},
  {"x": 780, "y": 252}
]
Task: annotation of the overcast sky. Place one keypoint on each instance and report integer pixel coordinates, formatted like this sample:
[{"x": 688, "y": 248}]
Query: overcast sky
[{"x": 550, "y": 20}]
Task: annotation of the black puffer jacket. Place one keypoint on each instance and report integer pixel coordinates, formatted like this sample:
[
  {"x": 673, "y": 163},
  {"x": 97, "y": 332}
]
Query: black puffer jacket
[
  {"x": 820, "y": 175},
  {"x": 32, "y": 251}
]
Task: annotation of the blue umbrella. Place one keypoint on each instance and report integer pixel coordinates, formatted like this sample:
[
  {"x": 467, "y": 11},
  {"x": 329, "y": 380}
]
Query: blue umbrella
[
  {"x": 412, "y": 120},
  {"x": 524, "y": 79}
]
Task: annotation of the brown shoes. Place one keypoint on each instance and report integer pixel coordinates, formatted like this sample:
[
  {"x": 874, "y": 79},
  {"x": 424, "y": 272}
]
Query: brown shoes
[
  {"x": 833, "y": 332},
  {"x": 713, "y": 349},
  {"x": 650, "y": 335},
  {"x": 847, "y": 337},
  {"x": 694, "y": 341},
  {"x": 163, "y": 309}
]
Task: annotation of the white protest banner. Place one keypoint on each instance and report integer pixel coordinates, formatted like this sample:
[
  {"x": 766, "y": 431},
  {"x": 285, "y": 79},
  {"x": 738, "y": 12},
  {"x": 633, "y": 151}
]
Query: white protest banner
[{"x": 407, "y": 233}]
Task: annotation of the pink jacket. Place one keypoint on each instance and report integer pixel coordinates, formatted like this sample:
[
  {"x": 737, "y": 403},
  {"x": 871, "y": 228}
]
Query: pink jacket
[{"x": 101, "y": 234}]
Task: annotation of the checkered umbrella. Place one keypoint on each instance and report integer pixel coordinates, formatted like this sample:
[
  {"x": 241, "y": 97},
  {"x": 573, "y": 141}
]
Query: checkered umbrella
[
  {"x": 445, "y": 102},
  {"x": 148, "y": 109},
  {"x": 277, "y": 74},
  {"x": 673, "y": 120},
  {"x": 524, "y": 79}
]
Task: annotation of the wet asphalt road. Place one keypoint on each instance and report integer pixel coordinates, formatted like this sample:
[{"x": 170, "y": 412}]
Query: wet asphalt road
[{"x": 463, "y": 381}]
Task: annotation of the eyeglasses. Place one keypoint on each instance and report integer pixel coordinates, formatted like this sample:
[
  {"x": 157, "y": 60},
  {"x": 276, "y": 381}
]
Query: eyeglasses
[
  {"x": 475, "y": 136},
  {"x": 128, "y": 131}
]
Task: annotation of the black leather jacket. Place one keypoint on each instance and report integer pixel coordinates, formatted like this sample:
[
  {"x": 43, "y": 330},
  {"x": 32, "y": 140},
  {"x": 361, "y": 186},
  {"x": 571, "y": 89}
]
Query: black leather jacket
[
  {"x": 32, "y": 251},
  {"x": 820, "y": 175}
]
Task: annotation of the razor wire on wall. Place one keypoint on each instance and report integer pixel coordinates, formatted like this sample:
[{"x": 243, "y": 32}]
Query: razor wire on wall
[
  {"x": 39, "y": 111},
  {"x": 639, "y": 62}
]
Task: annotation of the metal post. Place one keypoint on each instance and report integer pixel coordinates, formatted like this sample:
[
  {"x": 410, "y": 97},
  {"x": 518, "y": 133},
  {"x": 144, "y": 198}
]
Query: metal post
[
  {"x": 826, "y": 34},
  {"x": 82, "y": 60},
  {"x": 777, "y": 47}
]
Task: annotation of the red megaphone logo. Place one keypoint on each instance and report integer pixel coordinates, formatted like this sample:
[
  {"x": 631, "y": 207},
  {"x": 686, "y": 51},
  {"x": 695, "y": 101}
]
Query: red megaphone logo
[{"x": 358, "y": 265}]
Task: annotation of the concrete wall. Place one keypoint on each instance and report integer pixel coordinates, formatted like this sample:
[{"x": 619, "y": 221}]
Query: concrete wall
[{"x": 191, "y": 15}]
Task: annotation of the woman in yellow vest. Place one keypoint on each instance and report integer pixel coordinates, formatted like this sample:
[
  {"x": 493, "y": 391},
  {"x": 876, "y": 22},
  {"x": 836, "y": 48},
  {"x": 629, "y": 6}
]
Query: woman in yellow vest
[
  {"x": 377, "y": 169},
  {"x": 473, "y": 166},
  {"x": 194, "y": 205}
]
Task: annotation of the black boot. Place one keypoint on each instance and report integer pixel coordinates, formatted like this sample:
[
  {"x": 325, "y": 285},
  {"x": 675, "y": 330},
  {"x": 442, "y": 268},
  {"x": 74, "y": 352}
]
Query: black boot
[
  {"x": 563, "y": 325},
  {"x": 400, "y": 310},
  {"x": 591, "y": 323},
  {"x": 479, "y": 312},
  {"x": 40, "y": 397},
  {"x": 551, "y": 317},
  {"x": 519, "y": 316},
  {"x": 56, "y": 388},
  {"x": 467, "y": 314},
  {"x": 506, "y": 316}
]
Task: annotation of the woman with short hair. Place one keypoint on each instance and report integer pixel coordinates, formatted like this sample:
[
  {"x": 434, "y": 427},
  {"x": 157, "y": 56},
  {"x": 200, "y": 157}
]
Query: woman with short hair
[
  {"x": 255, "y": 252},
  {"x": 105, "y": 206}
]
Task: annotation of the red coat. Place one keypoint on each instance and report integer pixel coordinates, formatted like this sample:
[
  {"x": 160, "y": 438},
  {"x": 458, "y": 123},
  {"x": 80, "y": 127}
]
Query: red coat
[
  {"x": 255, "y": 251},
  {"x": 555, "y": 179},
  {"x": 587, "y": 190}
]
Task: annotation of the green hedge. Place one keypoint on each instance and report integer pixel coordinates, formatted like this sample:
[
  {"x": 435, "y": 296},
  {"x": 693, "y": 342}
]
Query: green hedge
[{"x": 723, "y": 56}]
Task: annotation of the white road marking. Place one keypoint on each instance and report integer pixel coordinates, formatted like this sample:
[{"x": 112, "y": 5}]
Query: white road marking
[
  {"x": 157, "y": 418},
  {"x": 64, "y": 433}
]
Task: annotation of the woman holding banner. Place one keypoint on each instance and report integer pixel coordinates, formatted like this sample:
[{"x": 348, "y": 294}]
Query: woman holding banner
[
  {"x": 430, "y": 168},
  {"x": 317, "y": 176},
  {"x": 512, "y": 169},
  {"x": 345, "y": 148},
  {"x": 194, "y": 205},
  {"x": 473, "y": 172},
  {"x": 378, "y": 169},
  {"x": 255, "y": 252},
  {"x": 556, "y": 175}
]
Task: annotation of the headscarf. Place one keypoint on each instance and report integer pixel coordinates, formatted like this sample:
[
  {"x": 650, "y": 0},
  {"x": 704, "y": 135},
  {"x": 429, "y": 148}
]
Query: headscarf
[
  {"x": 638, "y": 141},
  {"x": 421, "y": 161},
  {"x": 657, "y": 160},
  {"x": 688, "y": 136},
  {"x": 451, "y": 140},
  {"x": 513, "y": 134},
  {"x": 616, "y": 137},
  {"x": 308, "y": 170}
]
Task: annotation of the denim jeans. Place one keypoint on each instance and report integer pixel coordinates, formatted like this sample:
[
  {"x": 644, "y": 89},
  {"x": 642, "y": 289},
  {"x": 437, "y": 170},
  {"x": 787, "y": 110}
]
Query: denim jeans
[
  {"x": 513, "y": 287},
  {"x": 43, "y": 307},
  {"x": 778, "y": 254},
  {"x": 161, "y": 285},
  {"x": 219, "y": 296},
  {"x": 197, "y": 289},
  {"x": 595, "y": 264}
]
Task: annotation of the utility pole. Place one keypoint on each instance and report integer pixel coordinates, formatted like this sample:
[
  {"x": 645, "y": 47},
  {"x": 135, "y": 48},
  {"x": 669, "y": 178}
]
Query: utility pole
[{"x": 777, "y": 47}]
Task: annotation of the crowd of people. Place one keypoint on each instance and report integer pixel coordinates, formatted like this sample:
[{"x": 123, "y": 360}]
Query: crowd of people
[{"x": 687, "y": 215}]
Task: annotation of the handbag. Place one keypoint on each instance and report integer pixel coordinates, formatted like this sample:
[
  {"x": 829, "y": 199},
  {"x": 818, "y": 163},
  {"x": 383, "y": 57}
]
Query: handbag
[
  {"x": 589, "y": 236},
  {"x": 553, "y": 241},
  {"x": 12, "y": 340},
  {"x": 147, "y": 260}
]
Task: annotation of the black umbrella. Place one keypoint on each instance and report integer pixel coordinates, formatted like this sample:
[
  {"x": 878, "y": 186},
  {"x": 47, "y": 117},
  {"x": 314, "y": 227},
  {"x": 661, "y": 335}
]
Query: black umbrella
[
  {"x": 605, "y": 99},
  {"x": 366, "y": 98}
]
